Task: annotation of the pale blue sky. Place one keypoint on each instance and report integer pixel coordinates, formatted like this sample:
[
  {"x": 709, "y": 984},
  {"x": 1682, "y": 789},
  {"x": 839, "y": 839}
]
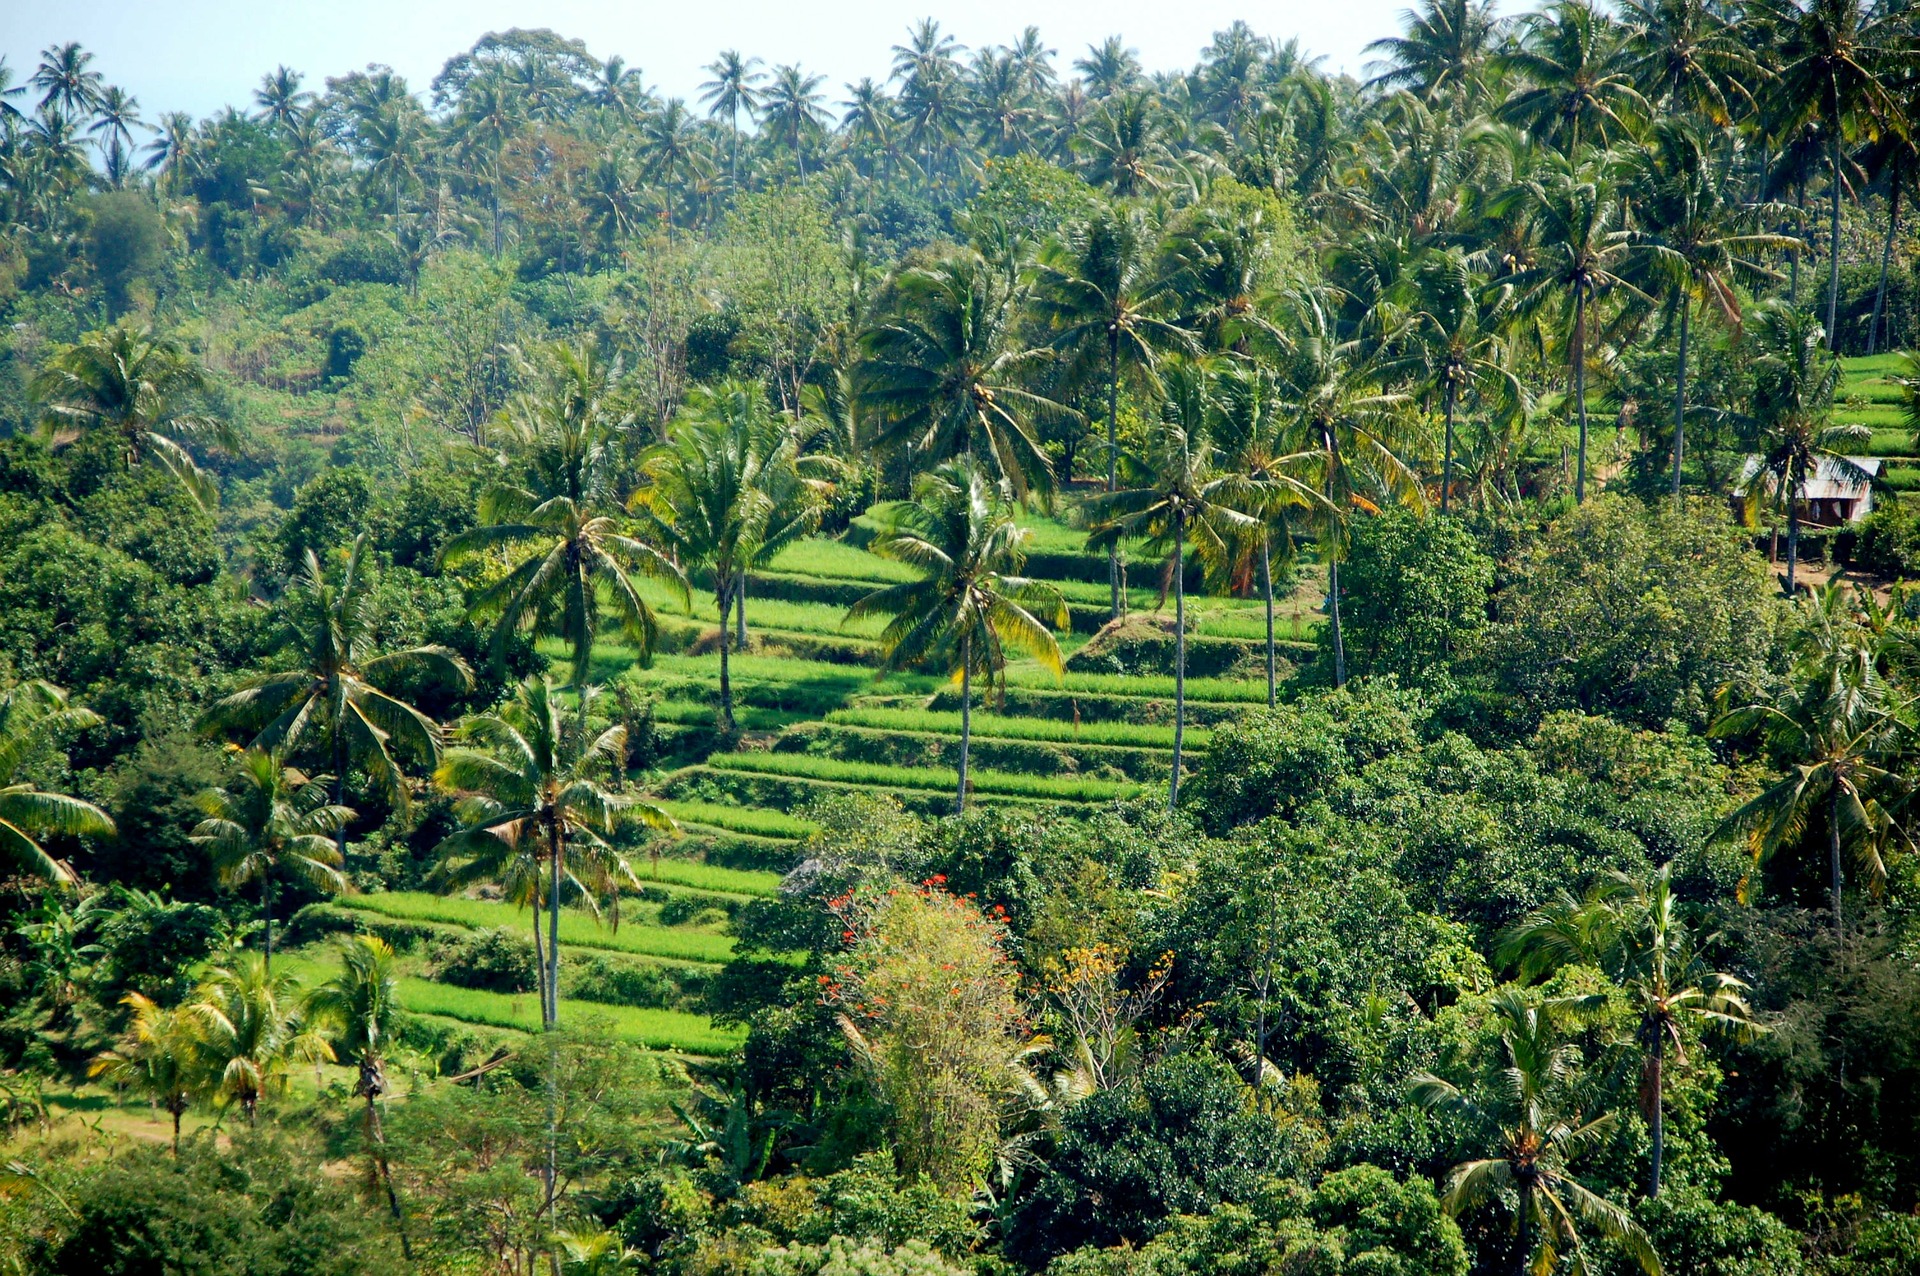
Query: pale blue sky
[{"x": 198, "y": 55}]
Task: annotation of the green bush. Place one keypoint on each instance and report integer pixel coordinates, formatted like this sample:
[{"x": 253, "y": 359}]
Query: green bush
[
  {"x": 257, "y": 1212},
  {"x": 1126, "y": 1161},
  {"x": 495, "y": 959},
  {"x": 1887, "y": 541}
]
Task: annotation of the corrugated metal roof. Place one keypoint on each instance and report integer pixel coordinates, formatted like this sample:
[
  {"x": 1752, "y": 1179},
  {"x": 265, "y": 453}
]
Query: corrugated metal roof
[{"x": 1827, "y": 482}]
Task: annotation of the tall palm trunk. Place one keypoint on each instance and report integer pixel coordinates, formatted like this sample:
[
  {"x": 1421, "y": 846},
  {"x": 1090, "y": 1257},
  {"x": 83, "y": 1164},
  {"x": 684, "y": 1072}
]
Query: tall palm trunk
[
  {"x": 1657, "y": 1118},
  {"x": 1886, "y": 258},
  {"x": 740, "y": 634},
  {"x": 1833, "y": 859},
  {"x": 1116, "y": 574},
  {"x": 1793, "y": 531},
  {"x": 1266, "y": 588},
  {"x": 726, "y": 681},
  {"x": 1524, "y": 1243},
  {"x": 266, "y": 915},
  {"x": 1179, "y": 652},
  {"x": 1578, "y": 354},
  {"x": 1333, "y": 618},
  {"x": 176, "y": 1112},
  {"x": 1680, "y": 395},
  {"x": 556, "y": 843},
  {"x": 373, "y": 1084},
  {"x": 1446, "y": 465},
  {"x": 966, "y": 718},
  {"x": 1799, "y": 233},
  {"x": 1833, "y": 232}
]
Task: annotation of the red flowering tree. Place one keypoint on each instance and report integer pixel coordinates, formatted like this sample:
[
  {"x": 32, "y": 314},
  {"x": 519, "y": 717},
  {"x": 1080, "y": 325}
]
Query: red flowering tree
[{"x": 931, "y": 1007}]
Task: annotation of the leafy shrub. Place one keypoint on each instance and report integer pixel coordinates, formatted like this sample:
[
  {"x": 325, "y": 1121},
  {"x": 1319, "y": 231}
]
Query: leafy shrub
[
  {"x": 257, "y": 1212},
  {"x": 1276, "y": 761},
  {"x": 617, "y": 983},
  {"x": 1887, "y": 542},
  {"x": 1413, "y": 593},
  {"x": 493, "y": 960},
  {"x": 1180, "y": 1141},
  {"x": 693, "y": 910}
]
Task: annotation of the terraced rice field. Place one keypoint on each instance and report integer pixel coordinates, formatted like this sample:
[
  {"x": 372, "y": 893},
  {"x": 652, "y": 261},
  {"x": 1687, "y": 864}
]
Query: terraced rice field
[{"x": 818, "y": 716}]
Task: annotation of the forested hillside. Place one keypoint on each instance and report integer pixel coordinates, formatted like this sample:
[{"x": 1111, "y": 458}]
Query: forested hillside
[{"x": 1032, "y": 664}]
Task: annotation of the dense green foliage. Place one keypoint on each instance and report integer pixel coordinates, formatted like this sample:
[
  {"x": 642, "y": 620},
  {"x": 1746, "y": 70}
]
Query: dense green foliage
[{"x": 1059, "y": 671}]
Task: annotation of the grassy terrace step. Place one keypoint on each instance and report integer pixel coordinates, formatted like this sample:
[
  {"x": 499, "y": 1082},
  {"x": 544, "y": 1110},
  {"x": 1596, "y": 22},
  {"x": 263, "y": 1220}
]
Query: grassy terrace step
[
  {"x": 1001, "y": 727},
  {"x": 707, "y": 877},
  {"x": 702, "y": 714},
  {"x": 741, "y": 819},
  {"x": 1087, "y": 706},
  {"x": 577, "y": 930},
  {"x": 1215, "y": 690},
  {"x": 655, "y": 1029},
  {"x": 803, "y": 766}
]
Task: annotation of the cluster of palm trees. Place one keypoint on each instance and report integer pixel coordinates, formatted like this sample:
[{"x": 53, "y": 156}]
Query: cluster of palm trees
[
  {"x": 1784, "y": 101},
  {"x": 1535, "y": 1109}
]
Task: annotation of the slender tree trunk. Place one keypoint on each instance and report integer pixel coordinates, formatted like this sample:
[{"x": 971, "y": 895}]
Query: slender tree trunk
[
  {"x": 1657, "y": 1119},
  {"x": 1579, "y": 356},
  {"x": 1179, "y": 653},
  {"x": 266, "y": 913},
  {"x": 1446, "y": 466},
  {"x": 372, "y": 1083},
  {"x": 1116, "y": 574},
  {"x": 556, "y": 842},
  {"x": 340, "y": 789},
  {"x": 1833, "y": 238},
  {"x": 1833, "y": 860},
  {"x": 1793, "y": 536},
  {"x": 1525, "y": 1240},
  {"x": 1799, "y": 233},
  {"x": 726, "y": 682},
  {"x": 1266, "y": 588},
  {"x": 1886, "y": 258},
  {"x": 539, "y": 959},
  {"x": 1680, "y": 396},
  {"x": 740, "y": 635},
  {"x": 1333, "y": 617},
  {"x": 966, "y": 718},
  {"x": 175, "y": 1111}
]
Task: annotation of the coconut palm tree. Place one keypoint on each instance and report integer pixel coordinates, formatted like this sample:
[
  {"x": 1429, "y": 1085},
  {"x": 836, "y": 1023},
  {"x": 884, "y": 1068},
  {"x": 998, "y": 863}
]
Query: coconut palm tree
[
  {"x": 1101, "y": 288},
  {"x": 792, "y": 106},
  {"x": 1581, "y": 246},
  {"x": 1175, "y": 491},
  {"x": 1123, "y": 145},
  {"x": 556, "y": 520},
  {"x": 725, "y": 492},
  {"x": 160, "y": 1055},
  {"x": 32, "y": 713},
  {"x": 280, "y": 98},
  {"x": 1110, "y": 67},
  {"x": 1836, "y": 735},
  {"x": 1696, "y": 241},
  {"x": 1796, "y": 378},
  {"x": 731, "y": 91},
  {"x": 534, "y": 781},
  {"x": 1253, "y": 432},
  {"x": 669, "y": 147},
  {"x": 138, "y": 388},
  {"x": 1533, "y": 1124},
  {"x": 1685, "y": 55},
  {"x": 1572, "y": 87},
  {"x": 1454, "y": 349},
  {"x": 338, "y": 703},
  {"x": 1638, "y": 933},
  {"x": 273, "y": 823},
  {"x": 251, "y": 1032},
  {"x": 360, "y": 1005},
  {"x": 1350, "y": 425},
  {"x": 1841, "y": 63},
  {"x": 67, "y": 87},
  {"x": 942, "y": 372},
  {"x": 969, "y": 610},
  {"x": 1444, "y": 53}
]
